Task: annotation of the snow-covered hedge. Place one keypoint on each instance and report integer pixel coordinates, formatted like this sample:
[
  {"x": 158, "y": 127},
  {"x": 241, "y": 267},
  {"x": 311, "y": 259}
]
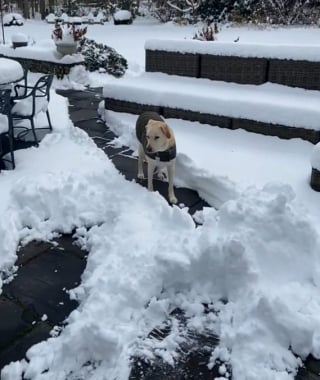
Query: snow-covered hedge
[
  {"x": 13, "y": 19},
  {"x": 305, "y": 52},
  {"x": 99, "y": 56}
]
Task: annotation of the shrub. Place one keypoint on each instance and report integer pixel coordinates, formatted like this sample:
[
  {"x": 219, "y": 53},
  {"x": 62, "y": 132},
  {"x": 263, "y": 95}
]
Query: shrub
[
  {"x": 13, "y": 19},
  {"x": 100, "y": 56}
]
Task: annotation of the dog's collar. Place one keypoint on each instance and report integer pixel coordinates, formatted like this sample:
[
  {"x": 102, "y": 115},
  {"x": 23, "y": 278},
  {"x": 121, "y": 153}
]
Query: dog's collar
[{"x": 164, "y": 156}]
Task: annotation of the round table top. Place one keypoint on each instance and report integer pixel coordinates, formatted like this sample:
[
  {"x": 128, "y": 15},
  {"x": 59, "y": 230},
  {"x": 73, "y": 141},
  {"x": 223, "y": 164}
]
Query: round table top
[{"x": 10, "y": 71}]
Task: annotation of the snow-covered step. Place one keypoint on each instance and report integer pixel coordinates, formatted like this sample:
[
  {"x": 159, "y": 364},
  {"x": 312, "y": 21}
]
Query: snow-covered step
[{"x": 268, "y": 108}]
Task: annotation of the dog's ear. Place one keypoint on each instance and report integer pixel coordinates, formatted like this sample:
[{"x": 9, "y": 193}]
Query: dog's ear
[{"x": 165, "y": 130}]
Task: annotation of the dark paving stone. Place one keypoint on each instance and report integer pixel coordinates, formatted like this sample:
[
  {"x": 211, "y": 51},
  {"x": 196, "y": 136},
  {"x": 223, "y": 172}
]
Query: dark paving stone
[
  {"x": 68, "y": 244},
  {"x": 198, "y": 206},
  {"x": 78, "y": 96},
  {"x": 95, "y": 127},
  {"x": 41, "y": 285},
  {"x": 12, "y": 322},
  {"x": 17, "y": 350},
  {"x": 109, "y": 149},
  {"x": 90, "y": 103},
  {"x": 188, "y": 197},
  {"x": 46, "y": 271},
  {"x": 83, "y": 114},
  {"x": 304, "y": 374},
  {"x": 312, "y": 365},
  {"x": 32, "y": 250},
  {"x": 192, "y": 362}
]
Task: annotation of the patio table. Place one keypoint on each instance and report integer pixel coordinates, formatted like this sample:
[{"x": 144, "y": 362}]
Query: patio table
[{"x": 10, "y": 71}]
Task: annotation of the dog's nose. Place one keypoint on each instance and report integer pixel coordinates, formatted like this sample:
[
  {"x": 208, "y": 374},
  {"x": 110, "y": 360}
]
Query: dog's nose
[{"x": 148, "y": 148}]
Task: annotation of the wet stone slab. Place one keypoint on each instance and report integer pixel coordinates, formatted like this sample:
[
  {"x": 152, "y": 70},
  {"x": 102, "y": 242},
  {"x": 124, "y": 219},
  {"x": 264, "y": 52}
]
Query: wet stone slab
[
  {"x": 193, "y": 354},
  {"x": 186, "y": 197},
  {"x": 43, "y": 283},
  {"x": 36, "y": 299}
]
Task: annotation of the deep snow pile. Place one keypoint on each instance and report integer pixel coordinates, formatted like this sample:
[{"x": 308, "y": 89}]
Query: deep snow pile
[{"x": 258, "y": 252}]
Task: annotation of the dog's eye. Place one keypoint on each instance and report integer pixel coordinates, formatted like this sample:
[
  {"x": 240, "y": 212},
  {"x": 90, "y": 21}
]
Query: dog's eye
[{"x": 157, "y": 137}]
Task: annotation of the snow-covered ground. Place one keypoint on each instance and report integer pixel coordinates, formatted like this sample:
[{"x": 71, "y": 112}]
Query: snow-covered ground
[{"x": 259, "y": 250}]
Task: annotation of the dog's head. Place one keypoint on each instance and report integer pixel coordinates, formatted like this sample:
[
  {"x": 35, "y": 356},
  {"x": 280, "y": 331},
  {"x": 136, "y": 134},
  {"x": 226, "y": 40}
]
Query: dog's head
[{"x": 159, "y": 136}]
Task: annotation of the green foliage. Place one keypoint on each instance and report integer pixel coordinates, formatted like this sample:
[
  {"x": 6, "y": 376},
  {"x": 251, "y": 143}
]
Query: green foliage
[
  {"x": 100, "y": 56},
  {"x": 217, "y": 10},
  {"x": 125, "y": 4}
]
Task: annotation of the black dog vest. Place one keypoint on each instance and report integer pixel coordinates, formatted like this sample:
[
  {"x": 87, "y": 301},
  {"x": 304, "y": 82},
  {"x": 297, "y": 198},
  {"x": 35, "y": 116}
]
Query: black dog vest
[{"x": 142, "y": 121}]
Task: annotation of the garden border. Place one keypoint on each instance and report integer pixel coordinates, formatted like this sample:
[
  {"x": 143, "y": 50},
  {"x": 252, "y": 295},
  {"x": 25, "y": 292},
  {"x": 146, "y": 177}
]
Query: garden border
[
  {"x": 232, "y": 68},
  {"x": 267, "y": 129}
]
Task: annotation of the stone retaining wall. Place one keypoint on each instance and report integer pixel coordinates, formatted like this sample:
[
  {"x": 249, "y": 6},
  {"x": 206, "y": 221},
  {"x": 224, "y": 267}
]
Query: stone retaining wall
[
  {"x": 243, "y": 70},
  {"x": 268, "y": 129}
]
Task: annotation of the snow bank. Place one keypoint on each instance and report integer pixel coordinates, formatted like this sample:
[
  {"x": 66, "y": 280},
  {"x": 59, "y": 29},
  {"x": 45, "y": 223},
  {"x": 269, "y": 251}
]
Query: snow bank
[
  {"x": 296, "y": 52},
  {"x": 258, "y": 252}
]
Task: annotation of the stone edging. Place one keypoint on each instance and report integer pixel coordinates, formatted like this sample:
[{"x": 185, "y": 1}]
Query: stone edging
[
  {"x": 288, "y": 72},
  {"x": 281, "y": 131}
]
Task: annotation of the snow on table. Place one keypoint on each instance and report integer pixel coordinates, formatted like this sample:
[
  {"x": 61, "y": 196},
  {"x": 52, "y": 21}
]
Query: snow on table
[
  {"x": 270, "y": 103},
  {"x": 43, "y": 51},
  {"x": 10, "y": 71}
]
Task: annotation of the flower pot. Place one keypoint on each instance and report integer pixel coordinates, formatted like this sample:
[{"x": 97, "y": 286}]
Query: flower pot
[{"x": 66, "y": 48}]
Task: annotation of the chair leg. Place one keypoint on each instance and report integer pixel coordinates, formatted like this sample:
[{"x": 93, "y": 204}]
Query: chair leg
[
  {"x": 49, "y": 120},
  {"x": 34, "y": 131},
  {"x": 11, "y": 147}
]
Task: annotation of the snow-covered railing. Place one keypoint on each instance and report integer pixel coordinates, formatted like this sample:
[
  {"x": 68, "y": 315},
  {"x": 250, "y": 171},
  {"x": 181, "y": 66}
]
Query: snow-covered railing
[{"x": 296, "y": 66}]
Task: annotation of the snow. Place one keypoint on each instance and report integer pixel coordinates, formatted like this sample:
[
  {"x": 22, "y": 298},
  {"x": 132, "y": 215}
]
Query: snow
[
  {"x": 3, "y": 123},
  {"x": 122, "y": 15},
  {"x": 7, "y": 18},
  {"x": 45, "y": 50},
  {"x": 270, "y": 50},
  {"x": 10, "y": 70},
  {"x": 51, "y": 18},
  {"x": 19, "y": 37},
  {"x": 258, "y": 249},
  {"x": 269, "y": 102},
  {"x": 315, "y": 157}
]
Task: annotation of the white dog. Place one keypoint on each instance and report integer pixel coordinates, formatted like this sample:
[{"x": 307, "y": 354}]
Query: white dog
[{"x": 158, "y": 147}]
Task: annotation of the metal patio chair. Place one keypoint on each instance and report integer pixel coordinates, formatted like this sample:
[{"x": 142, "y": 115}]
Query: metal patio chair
[
  {"x": 20, "y": 88},
  {"x": 35, "y": 99},
  {"x": 6, "y": 127}
]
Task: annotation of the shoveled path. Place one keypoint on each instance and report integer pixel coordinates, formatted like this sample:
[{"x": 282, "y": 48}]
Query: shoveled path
[{"x": 35, "y": 304}]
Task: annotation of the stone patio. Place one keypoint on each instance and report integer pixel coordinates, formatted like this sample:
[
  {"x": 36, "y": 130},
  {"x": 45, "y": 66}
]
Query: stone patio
[{"x": 36, "y": 300}]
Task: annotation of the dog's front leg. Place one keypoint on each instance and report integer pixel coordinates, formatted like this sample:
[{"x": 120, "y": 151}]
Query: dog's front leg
[
  {"x": 140, "y": 162},
  {"x": 151, "y": 167},
  {"x": 171, "y": 195}
]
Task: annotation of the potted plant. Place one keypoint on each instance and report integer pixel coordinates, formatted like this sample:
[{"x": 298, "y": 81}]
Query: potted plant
[{"x": 67, "y": 37}]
